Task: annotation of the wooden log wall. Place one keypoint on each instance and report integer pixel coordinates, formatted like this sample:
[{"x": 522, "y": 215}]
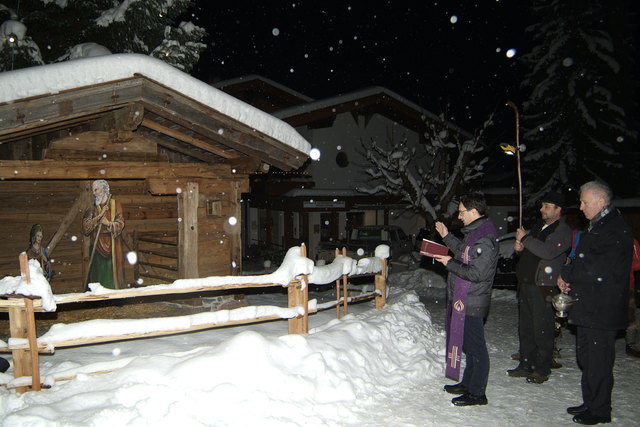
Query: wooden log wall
[{"x": 150, "y": 208}]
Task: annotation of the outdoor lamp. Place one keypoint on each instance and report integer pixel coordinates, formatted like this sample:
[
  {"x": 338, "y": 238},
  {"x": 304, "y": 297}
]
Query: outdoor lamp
[{"x": 508, "y": 149}]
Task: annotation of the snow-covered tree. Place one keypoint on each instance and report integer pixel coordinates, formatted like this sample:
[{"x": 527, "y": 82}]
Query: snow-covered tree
[
  {"x": 58, "y": 30},
  {"x": 578, "y": 122},
  {"x": 430, "y": 175},
  {"x": 16, "y": 49}
]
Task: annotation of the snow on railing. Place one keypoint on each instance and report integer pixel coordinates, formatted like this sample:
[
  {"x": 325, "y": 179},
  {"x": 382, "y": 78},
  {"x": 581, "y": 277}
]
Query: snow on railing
[
  {"x": 341, "y": 265},
  {"x": 295, "y": 272}
]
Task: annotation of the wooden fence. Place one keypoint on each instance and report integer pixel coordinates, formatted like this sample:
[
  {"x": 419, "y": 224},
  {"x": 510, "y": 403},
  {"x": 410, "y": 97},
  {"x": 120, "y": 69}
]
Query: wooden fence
[{"x": 25, "y": 346}]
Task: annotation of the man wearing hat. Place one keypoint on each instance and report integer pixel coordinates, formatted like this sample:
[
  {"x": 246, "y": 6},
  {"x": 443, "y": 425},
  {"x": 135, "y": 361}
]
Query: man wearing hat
[{"x": 543, "y": 251}]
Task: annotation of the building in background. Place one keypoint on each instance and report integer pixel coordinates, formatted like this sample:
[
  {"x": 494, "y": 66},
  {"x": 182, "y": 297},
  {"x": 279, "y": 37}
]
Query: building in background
[{"x": 320, "y": 201}]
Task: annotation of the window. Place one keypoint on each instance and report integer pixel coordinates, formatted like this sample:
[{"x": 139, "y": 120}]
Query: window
[
  {"x": 214, "y": 208},
  {"x": 342, "y": 159}
]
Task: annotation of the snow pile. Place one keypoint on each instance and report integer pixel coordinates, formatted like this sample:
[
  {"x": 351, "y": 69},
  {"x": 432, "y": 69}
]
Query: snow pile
[
  {"x": 37, "y": 287},
  {"x": 13, "y": 28},
  {"x": 343, "y": 368},
  {"x": 423, "y": 282}
]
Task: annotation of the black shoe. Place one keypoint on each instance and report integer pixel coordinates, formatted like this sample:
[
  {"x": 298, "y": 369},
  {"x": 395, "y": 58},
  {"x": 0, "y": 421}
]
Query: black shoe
[
  {"x": 455, "y": 388},
  {"x": 520, "y": 372},
  {"x": 469, "y": 399},
  {"x": 536, "y": 378},
  {"x": 575, "y": 410},
  {"x": 587, "y": 418}
]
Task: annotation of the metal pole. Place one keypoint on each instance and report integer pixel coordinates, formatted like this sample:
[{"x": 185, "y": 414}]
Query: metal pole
[{"x": 517, "y": 113}]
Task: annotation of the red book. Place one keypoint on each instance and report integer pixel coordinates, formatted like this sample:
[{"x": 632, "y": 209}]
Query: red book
[{"x": 430, "y": 248}]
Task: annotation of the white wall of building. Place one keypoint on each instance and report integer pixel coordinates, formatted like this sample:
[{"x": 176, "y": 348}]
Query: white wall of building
[{"x": 346, "y": 136}]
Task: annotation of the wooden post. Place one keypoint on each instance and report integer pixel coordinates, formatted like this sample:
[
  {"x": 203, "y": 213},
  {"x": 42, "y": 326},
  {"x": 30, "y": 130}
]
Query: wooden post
[
  {"x": 22, "y": 325},
  {"x": 381, "y": 286},
  {"x": 235, "y": 238},
  {"x": 337, "y": 292},
  {"x": 188, "y": 232},
  {"x": 294, "y": 291},
  {"x": 299, "y": 297},
  {"x": 345, "y": 293},
  {"x": 136, "y": 249},
  {"x": 305, "y": 294}
]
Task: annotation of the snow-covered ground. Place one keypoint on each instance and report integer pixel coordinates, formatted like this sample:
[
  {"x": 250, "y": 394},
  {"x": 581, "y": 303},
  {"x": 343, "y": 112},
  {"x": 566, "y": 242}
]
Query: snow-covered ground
[{"x": 371, "y": 368}]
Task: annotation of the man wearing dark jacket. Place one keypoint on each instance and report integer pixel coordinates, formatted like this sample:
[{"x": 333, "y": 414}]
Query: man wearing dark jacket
[
  {"x": 543, "y": 251},
  {"x": 472, "y": 270},
  {"x": 598, "y": 279}
]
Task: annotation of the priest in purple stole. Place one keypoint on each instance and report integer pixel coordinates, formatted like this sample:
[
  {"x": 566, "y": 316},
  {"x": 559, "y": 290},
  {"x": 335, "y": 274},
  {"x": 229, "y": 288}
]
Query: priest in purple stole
[{"x": 471, "y": 272}]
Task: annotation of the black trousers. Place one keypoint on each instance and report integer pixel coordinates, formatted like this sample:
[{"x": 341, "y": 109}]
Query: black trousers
[
  {"x": 476, "y": 371},
  {"x": 536, "y": 329},
  {"x": 595, "y": 352}
]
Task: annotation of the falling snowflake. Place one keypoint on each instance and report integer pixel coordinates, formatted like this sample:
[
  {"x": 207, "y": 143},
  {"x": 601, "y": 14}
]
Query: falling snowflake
[{"x": 132, "y": 257}]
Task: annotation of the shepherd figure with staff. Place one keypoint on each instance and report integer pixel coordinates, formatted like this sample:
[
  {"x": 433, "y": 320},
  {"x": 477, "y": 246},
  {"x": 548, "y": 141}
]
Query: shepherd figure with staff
[{"x": 104, "y": 222}]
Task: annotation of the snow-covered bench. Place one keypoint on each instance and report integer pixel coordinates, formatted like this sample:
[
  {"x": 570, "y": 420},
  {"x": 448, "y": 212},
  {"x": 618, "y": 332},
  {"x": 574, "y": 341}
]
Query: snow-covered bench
[{"x": 24, "y": 295}]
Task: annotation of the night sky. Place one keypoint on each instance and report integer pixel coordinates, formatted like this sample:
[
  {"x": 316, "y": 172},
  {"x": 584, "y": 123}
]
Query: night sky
[{"x": 445, "y": 55}]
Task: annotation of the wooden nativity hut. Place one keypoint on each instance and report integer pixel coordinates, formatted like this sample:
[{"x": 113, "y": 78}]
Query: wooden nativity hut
[{"x": 176, "y": 153}]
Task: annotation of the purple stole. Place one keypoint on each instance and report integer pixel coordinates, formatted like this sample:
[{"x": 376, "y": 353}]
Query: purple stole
[{"x": 457, "y": 307}]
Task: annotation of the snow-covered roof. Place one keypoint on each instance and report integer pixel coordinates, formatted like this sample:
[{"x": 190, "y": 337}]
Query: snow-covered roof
[
  {"x": 352, "y": 100},
  {"x": 53, "y": 79},
  {"x": 255, "y": 77}
]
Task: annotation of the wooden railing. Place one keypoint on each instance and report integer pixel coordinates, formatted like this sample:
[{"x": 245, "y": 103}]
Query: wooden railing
[{"x": 25, "y": 346}]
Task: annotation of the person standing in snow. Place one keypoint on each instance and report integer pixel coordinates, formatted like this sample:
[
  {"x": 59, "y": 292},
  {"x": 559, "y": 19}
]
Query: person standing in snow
[
  {"x": 598, "y": 279},
  {"x": 471, "y": 273},
  {"x": 632, "y": 334},
  {"x": 543, "y": 250}
]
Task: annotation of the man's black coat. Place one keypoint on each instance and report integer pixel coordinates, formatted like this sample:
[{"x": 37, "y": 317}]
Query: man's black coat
[{"x": 599, "y": 274}]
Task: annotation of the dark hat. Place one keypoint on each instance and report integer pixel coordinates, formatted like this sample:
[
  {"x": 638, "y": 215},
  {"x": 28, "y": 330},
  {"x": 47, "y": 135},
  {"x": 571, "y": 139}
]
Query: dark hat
[{"x": 555, "y": 198}]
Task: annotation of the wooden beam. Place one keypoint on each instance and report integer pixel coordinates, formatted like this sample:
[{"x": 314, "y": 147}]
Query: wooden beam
[
  {"x": 70, "y": 106},
  {"x": 179, "y": 147},
  {"x": 208, "y": 122},
  {"x": 159, "y": 187},
  {"x": 83, "y": 200},
  {"x": 248, "y": 165},
  {"x": 188, "y": 139},
  {"x": 16, "y": 301},
  {"x": 49, "y": 169}
]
